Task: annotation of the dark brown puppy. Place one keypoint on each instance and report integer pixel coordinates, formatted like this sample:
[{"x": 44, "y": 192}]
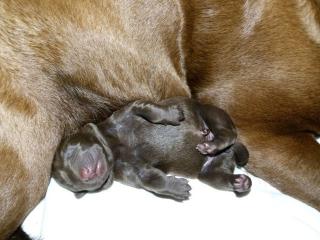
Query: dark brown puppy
[{"x": 143, "y": 142}]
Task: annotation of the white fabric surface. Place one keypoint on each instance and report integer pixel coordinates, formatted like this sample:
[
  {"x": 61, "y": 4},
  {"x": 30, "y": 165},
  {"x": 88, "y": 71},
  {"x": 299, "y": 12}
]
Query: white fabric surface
[{"x": 122, "y": 212}]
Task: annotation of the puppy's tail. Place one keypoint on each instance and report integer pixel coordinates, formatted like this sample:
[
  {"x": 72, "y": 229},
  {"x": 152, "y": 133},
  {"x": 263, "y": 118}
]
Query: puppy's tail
[{"x": 241, "y": 154}]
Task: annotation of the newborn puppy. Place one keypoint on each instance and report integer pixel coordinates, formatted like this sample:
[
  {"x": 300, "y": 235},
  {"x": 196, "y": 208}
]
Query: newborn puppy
[
  {"x": 83, "y": 163},
  {"x": 143, "y": 142}
]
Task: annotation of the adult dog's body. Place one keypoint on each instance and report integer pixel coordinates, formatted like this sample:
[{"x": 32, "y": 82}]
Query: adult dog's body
[{"x": 67, "y": 62}]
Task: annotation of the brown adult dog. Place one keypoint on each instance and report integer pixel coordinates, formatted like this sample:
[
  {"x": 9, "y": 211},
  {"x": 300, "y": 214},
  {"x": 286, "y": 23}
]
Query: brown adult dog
[
  {"x": 67, "y": 62},
  {"x": 260, "y": 61}
]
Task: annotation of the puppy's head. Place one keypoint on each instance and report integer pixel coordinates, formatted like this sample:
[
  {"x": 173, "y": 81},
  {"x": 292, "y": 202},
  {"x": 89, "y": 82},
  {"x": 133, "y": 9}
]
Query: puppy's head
[{"x": 84, "y": 162}]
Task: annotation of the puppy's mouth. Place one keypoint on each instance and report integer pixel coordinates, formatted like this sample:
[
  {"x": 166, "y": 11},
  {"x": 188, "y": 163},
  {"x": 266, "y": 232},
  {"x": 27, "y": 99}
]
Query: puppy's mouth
[
  {"x": 105, "y": 185},
  {"x": 102, "y": 183},
  {"x": 92, "y": 172}
]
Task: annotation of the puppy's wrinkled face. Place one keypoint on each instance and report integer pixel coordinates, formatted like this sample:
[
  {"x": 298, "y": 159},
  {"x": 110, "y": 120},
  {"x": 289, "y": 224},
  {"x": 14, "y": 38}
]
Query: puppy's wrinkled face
[{"x": 82, "y": 164}]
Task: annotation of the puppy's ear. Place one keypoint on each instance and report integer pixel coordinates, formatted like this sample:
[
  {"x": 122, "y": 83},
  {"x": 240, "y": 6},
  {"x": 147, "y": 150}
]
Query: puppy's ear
[{"x": 94, "y": 130}]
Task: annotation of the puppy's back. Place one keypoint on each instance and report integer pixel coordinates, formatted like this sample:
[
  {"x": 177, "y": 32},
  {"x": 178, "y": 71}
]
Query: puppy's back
[{"x": 166, "y": 146}]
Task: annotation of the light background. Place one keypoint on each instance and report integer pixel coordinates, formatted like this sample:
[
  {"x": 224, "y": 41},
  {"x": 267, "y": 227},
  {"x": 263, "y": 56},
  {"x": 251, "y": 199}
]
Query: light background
[{"x": 122, "y": 212}]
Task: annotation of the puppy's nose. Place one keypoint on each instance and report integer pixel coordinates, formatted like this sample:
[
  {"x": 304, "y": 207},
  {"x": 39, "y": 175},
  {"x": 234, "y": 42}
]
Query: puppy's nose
[
  {"x": 90, "y": 172},
  {"x": 87, "y": 174}
]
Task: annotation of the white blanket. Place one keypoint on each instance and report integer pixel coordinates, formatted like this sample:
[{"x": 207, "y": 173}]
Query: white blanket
[{"x": 122, "y": 212}]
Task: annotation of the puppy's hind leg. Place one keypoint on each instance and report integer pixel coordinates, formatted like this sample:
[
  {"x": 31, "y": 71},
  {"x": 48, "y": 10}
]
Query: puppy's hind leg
[
  {"x": 222, "y": 127},
  {"x": 217, "y": 172},
  {"x": 241, "y": 154},
  {"x": 26, "y": 151}
]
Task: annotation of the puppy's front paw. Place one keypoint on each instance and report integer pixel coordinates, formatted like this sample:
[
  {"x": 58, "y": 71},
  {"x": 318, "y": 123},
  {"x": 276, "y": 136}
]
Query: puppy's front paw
[
  {"x": 175, "y": 115},
  {"x": 207, "y": 134},
  {"x": 180, "y": 113},
  {"x": 206, "y": 148},
  {"x": 179, "y": 188}
]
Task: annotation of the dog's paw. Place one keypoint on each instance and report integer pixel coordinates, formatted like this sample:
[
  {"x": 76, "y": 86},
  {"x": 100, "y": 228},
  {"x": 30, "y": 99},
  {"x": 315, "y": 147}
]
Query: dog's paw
[
  {"x": 207, "y": 134},
  {"x": 206, "y": 148},
  {"x": 175, "y": 115},
  {"x": 179, "y": 188},
  {"x": 242, "y": 183}
]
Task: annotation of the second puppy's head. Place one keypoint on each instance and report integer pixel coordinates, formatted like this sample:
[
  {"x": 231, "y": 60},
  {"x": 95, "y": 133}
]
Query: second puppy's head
[{"x": 84, "y": 162}]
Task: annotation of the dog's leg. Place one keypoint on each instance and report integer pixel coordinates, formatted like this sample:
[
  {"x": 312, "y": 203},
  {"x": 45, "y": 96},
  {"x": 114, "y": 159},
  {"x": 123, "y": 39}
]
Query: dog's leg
[
  {"x": 289, "y": 162},
  {"x": 27, "y": 147},
  {"x": 241, "y": 154},
  {"x": 170, "y": 114},
  {"x": 217, "y": 172},
  {"x": 28, "y": 138},
  {"x": 153, "y": 180},
  {"x": 222, "y": 127}
]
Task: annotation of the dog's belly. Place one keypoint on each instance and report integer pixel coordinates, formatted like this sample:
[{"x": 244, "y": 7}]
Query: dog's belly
[
  {"x": 261, "y": 64},
  {"x": 258, "y": 69}
]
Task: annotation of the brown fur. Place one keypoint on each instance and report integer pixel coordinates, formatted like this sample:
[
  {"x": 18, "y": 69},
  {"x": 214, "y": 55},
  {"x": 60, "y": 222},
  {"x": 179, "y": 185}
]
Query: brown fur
[
  {"x": 64, "y": 63},
  {"x": 264, "y": 70},
  {"x": 67, "y": 62}
]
